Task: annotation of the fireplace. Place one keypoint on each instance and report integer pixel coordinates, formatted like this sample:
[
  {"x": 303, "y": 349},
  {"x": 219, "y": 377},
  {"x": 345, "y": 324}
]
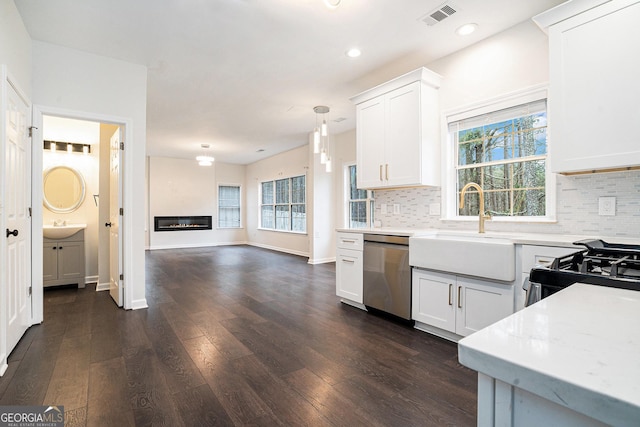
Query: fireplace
[{"x": 181, "y": 223}]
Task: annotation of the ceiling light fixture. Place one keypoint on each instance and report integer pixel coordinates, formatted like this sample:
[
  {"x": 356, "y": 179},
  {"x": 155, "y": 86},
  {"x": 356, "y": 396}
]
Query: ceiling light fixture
[
  {"x": 321, "y": 137},
  {"x": 466, "y": 29},
  {"x": 206, "y": 159},
  {"x": 332, "y": 4},
  {"x": 354, "y": 52}
]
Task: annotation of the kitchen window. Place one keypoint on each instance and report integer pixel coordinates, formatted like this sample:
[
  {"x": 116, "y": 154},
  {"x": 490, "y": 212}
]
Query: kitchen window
[
  {"x": 360, "y": 202},
  {"x": 283, "y": 205},
  {"x": 229, "y": 206},
  {"x": 502, "y": 146}
]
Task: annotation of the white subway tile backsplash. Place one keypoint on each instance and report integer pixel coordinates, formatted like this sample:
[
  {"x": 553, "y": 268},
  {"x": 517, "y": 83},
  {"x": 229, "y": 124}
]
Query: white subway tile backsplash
[{"x": 576, "y": 208}]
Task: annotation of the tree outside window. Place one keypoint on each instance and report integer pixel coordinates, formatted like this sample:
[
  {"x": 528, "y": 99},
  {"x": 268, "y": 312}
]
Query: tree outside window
[
  {"x": 361, "y": 203},
  {"x": 283, "y": 204},
  {"x": 507, "y": 157}
]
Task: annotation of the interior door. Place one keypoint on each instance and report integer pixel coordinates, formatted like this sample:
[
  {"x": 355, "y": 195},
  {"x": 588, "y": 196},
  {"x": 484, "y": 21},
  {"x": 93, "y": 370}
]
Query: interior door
[
  {"x": 17, "y": 171},
  {"x": 115, "y": 237}
]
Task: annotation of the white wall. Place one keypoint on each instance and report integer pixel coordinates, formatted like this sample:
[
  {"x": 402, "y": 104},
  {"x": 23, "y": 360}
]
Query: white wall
[
  {"x": 290, "y": 163},
  {"x": 179, "y": 187},
  {"x": 78, "y": 82},
  {"x": 15, "y": 45}
]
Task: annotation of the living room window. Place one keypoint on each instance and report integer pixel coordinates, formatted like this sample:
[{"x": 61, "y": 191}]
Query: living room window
[
  {"x": 360, "y": 203},
  {"x": 229, "y": 206},
  {"x": 283, "y": 204},
  {"x": 502, "y": 146}
]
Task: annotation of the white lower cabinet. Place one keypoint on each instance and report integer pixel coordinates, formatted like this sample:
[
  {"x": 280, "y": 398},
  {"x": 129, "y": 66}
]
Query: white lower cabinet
[
  {"x": 349, "y": 266},
  {"x": 349, "y": 274},
  {"x": 458, "y": 305}
]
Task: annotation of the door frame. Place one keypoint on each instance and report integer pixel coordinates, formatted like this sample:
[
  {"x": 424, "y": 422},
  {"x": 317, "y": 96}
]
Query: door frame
[{"x": 127, "y": 199}]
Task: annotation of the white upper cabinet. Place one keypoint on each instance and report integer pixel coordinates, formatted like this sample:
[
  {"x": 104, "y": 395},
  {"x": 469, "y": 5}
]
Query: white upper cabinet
[
  {"x": 594, "y": 90},
  {"x": 398, "y": 132}
]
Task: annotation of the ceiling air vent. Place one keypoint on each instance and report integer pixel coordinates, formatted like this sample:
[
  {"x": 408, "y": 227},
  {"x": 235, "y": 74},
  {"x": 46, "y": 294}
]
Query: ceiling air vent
[{"x": 442, "y": 12}]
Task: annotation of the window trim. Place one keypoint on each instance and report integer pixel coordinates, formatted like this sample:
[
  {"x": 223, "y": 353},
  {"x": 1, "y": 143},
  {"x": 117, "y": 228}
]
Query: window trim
[
  {"x": 347, "y": 198},
  {"x": 274, "y": 204},
  {"x": 449, "y": 187},
  {"x": 240, "y": 205}
]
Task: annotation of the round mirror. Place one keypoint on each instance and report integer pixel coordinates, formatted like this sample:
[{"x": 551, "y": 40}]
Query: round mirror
[{"x": 63, "y": 189}]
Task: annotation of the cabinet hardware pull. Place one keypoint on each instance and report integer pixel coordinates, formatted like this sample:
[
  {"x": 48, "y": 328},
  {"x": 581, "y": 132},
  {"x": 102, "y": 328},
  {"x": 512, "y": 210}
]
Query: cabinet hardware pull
[
  {"x": 348, "y": 241},
  {"x": 13, "y": 233},
  {"x": 450, "y": 293},
  {"x": 350, "y": 261},
  {"x": 380, "y": 172},
  {"x": 386, "y": 171},
  {"x": 54, "y": 248},
  {"x": 459, "y": 297},
  {"x": 60, "y": 247}
]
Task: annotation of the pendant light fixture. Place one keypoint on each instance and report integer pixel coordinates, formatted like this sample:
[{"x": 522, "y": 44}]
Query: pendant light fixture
[
  {"x": 321, "y": 136},
  {"x": 206, "y": 159}
]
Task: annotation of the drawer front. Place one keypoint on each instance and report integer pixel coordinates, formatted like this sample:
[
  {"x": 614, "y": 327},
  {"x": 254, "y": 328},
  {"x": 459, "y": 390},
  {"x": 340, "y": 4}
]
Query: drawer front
[
  {"x": 542, "y": 255},
  {"x": 350, "y": 241}
]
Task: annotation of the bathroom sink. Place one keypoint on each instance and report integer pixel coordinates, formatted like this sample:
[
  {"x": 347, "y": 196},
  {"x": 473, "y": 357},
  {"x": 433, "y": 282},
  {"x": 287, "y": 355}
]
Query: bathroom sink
[
  {"x": 61, "y": 231},
  {"x": 476, "y": 255}
]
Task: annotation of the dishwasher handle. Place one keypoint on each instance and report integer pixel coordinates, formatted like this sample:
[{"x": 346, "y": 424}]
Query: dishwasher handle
[{"x": 384, "y": 238}]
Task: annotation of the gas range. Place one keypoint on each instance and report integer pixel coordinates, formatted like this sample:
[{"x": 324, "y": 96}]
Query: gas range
[{"x": 600, "y": 263}]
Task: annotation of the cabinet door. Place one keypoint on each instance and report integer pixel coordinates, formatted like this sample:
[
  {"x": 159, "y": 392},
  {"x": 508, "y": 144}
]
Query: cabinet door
[
  {"x": 50, "y": 261},
  {"x": 402, "y": 140},
  {"x": 349, "y": 274},
  {"x": 594, "y": 89},
  {"x": 71, "y": 261},
  {"x": 479, "y": 304},
  {"x": 433, "y": 299},
  {"x": 370, "y": 137}
]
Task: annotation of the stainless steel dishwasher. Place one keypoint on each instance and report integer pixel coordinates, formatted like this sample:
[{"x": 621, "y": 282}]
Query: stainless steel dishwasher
[{"x": 387, "y": 275}]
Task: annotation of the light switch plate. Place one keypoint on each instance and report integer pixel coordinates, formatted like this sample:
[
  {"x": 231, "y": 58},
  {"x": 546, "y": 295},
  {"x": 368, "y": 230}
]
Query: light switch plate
[
  {"x": 396, "y": 209},
  {"x": 383, "y": 208},
  {"x": 607, "y": 206},
  {"x": 434, "y": 209}
]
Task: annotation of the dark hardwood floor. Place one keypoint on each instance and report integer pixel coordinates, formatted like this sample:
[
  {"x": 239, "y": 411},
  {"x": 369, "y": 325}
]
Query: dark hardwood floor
[{"x": 235, "y": 335}]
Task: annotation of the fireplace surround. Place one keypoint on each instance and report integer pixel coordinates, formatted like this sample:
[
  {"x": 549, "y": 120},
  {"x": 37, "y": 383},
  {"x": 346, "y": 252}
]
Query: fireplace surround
[{"x": 181, "y": 223}]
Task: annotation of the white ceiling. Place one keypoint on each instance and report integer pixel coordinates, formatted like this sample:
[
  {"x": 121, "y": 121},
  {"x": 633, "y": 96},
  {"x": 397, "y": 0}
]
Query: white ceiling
[{"x": 244, "y": 75}]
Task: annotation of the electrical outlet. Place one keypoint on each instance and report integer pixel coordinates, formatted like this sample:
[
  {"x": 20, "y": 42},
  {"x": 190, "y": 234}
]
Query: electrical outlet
[
  {"x": 434, "y": 209},
  {"x": 383, "y": 208},
  {"x": 606, "y": 206},
  {"x": 396, "y": 209}
]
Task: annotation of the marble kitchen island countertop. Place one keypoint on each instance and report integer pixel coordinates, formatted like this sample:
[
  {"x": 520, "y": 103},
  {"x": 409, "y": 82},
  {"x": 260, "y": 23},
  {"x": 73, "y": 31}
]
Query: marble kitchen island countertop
[{"x": 579, "y": 348}]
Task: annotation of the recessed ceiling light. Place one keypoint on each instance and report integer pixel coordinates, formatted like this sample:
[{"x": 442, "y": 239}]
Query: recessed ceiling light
[
  {"x": 466, "y": 29},
  {"x": 354, "y": 52}
]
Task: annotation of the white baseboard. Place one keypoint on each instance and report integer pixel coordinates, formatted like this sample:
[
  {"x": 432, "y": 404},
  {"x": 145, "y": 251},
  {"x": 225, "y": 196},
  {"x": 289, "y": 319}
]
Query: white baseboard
[
  {"x": 102, "y": 287},
  {"x": 90, "y": 279},
  {"x": 275, "y": 248},
  {"x": 321, "y": 260},
  {"x": 139, "y": 304},
  {"x": 194, "y": 245},
  {"x": 437, "y": 331},
  {"x": 4, "y": 365}
]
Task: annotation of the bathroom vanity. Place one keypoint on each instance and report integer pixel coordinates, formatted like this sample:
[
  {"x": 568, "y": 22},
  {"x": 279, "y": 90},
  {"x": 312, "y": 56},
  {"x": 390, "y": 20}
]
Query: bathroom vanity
[{"x": 63, "y": 260}]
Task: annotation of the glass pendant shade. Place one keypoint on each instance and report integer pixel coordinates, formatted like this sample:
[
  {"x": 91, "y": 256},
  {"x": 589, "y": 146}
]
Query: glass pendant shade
[
  {"x": 328, "y": 165},
  {"x": 323, "y": 157},
  {"x": 323, "y": 128}
]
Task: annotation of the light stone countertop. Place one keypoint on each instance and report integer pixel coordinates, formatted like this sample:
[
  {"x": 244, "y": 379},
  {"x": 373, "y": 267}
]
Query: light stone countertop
[
  {"x": 562, "y": 240},
  {"x": 579, "y": 348}
]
